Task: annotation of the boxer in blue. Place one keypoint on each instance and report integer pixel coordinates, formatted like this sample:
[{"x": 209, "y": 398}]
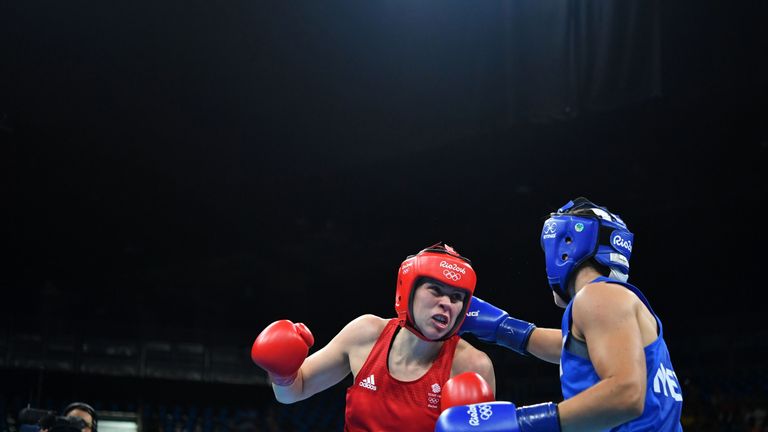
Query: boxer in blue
[{"x": 615, "y": 369}]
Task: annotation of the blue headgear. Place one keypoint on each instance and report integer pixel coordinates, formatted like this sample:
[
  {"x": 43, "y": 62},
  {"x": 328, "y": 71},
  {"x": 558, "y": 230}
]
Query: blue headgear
[{"x": 569, "y": 239}]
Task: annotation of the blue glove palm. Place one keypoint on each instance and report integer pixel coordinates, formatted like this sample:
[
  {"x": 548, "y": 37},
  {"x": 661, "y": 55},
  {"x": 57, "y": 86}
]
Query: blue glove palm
[{"x": 491, "y": 324}]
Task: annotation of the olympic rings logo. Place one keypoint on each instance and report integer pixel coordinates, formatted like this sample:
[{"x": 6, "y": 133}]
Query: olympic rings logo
[
  {"x": 452, "y": 275},
  {"x": 550, "y": 228},
  {"x": 477, "y": 413},
  {"x": 485, "y": 412},
  {"x": 434, "y": 401}
]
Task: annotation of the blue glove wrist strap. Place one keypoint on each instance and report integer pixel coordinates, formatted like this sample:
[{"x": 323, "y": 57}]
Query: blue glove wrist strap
[
  {"x": 514, "y": 334},
  {"x": 539, "y": 418}
]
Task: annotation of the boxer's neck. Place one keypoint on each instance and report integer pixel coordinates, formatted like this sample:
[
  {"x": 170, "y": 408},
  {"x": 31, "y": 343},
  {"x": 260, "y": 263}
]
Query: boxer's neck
[{"x": 408, "y": 350}]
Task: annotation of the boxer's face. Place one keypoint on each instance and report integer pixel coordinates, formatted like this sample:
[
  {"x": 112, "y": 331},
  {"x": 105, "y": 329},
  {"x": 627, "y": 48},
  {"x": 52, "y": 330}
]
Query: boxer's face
[{"x": 436, "y": 307}]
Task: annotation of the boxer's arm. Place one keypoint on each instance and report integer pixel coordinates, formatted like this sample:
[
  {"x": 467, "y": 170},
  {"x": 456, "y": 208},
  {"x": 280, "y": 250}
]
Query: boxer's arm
[
  {"x": 329, "y": 365},
  {"x": 492, "y": 324},
  {"x": 546, "y": 344},
  {"x": 470, "y": 359},
  {"x": 605, "y": 315}
]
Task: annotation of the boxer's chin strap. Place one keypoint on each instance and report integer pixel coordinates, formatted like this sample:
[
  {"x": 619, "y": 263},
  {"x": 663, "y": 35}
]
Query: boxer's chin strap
[
  {"x": 618, "y": 275},
  {"x": 411, "y": 328}
]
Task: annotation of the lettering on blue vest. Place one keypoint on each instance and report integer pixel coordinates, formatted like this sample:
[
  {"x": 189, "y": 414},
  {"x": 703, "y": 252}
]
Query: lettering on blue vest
[{"x": 666, "y": 381}]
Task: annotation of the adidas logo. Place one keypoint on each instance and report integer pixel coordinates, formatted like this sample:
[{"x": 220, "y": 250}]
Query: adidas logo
[{"x": 369, "y": 383}]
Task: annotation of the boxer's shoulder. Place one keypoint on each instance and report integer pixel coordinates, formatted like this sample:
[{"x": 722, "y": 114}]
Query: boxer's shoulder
[
  {"x": 362, "y": 334},
  {"x": 365, "y": 329},
  {"x": 601, "y": 298},
  {"x": 470, "y": 359}
]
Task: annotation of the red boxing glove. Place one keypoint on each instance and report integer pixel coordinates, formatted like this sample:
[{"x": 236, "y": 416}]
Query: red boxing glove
[
  {"x": 281, "y": 349},
  {"x": 465, "y": 389}
]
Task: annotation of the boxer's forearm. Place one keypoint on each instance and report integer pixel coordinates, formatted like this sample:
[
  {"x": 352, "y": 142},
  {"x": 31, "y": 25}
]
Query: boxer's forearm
[
  {"x": 290, "y": 393},
  {"x": 546, "y": 344}
]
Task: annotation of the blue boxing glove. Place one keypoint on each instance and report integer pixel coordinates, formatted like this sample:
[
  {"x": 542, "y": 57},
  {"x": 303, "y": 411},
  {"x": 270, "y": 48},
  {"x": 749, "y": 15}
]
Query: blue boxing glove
[
  {"x": 491, "y": 324},
  {"x": 499, "y": 417},
  {"x": 483, "y": 417}
]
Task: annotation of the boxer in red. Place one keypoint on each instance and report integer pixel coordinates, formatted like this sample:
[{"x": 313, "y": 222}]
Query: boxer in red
[{"x": 400, "y": 365}]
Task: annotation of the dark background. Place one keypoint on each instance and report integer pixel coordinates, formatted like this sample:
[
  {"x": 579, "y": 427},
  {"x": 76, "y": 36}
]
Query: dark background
[{"x": 188, "y": 172}]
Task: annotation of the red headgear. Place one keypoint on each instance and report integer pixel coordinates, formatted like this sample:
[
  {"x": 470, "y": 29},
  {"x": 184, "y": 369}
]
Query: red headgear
[{"x": 441, "y": 263}]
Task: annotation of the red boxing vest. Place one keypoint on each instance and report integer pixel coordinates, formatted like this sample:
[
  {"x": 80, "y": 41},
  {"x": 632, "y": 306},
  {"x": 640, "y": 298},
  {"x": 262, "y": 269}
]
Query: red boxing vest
[{"x": 378, "y": 402}]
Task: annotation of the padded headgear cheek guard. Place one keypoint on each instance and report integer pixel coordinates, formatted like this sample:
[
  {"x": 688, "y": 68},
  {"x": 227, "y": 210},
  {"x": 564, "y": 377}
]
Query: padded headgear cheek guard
[
  {"x": 441, "y": 263},
  {"x": 569, "y": 239},
  {"x": 567, "y": 243}
]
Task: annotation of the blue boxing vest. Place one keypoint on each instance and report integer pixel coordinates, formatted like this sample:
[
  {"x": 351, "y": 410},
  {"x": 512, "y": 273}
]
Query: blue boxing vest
[{"x": 663, "y": 396}]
